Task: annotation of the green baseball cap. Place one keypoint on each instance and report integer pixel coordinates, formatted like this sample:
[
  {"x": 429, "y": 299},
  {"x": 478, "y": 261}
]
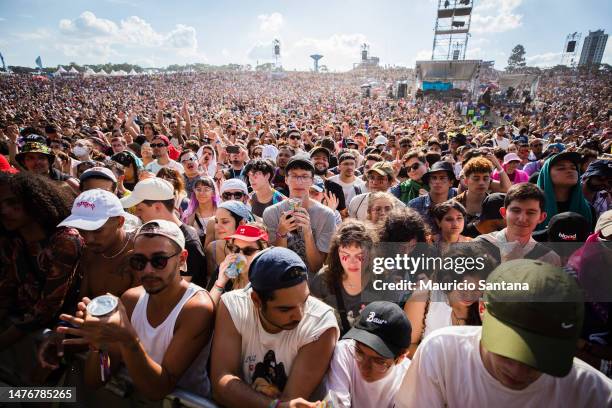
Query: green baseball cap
[{"x": 538, "y": 325}]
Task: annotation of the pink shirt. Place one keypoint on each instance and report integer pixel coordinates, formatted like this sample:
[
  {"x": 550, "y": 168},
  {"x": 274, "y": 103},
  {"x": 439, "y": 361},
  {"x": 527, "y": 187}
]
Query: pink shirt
[{"x": 519, "y": 176}]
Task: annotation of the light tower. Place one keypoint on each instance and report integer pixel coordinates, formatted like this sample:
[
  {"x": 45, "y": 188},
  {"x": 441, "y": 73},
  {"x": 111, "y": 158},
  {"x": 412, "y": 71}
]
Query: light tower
[
  {"x": 452, "y": 29},
  {"x": 316, "y": 58},
  {"x": 570, "y": 49},
  {"x": 277, "y": 56},
  {"x": 365, "y": 49}
]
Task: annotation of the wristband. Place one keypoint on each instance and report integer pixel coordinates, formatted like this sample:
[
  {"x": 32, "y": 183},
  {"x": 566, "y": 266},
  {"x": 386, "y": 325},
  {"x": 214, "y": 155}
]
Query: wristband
[
  {"x": 274, "y": 403},
  {"x": 219, "y": 288},
  {"x": 279, "y": 235}
]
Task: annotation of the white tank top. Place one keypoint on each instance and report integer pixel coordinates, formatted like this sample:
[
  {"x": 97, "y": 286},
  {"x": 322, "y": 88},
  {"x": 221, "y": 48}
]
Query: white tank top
[
  {"x": 439, "y": 313},
  {"x": 156, "y": 340}
]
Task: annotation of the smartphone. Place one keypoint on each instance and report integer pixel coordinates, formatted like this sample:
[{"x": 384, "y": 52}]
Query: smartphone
[{"x": 233, "y": 149}]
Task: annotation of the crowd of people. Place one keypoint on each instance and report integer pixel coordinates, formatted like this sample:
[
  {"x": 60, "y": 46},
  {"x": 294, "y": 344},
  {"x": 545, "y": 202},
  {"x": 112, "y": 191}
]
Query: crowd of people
[{"x": 234, "y": 219}]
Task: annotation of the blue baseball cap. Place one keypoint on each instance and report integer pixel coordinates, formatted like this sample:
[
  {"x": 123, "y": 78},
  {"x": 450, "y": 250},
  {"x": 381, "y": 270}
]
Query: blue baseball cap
[
  {"x": 276, "y": 268},
  {"x": 602, "y": 168},
  {"x": 238, "y": 208}
]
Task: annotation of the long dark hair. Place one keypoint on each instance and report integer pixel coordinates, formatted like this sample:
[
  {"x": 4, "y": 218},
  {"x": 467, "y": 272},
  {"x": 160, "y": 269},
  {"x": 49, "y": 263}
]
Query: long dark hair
[
  {"x": 470, "y": 250},
  {"x": 351, "y": 232},
  {"x": 41, "y": 198}
]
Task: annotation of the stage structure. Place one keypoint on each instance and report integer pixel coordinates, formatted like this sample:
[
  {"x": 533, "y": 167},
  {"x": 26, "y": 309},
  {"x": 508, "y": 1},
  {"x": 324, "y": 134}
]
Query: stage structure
[
  {"x": 452, "y": 29},
  {"x": 277, "y": 55},
  {"x": 367, "y": 61},
  {"x": 448, "y": 75},
  {"x": 316, "y": 58},
  {"x": 570, "y": 49}
]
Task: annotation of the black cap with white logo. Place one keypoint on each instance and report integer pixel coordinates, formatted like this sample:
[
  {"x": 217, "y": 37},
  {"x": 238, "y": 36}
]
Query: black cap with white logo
[{"x": 384, "y": 328}]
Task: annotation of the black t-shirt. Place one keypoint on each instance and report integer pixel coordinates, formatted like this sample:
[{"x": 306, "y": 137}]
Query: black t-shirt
[
  {"x": 196, "y": 261},
  {"x": 336, "y": 189}
]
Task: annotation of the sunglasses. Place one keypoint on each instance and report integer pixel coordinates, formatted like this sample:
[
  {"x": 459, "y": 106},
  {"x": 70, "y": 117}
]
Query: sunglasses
[
  {"x": 414, "y": 167},
  {"x": 190, "y": 158},
  {"x": 228, "y": 196},
  {"x": 139, "y": 262},
  {"x": 295, "y": 137},
  {"x": 404, "y": 145},
  {"x": 248, "y": 251},
  {"x": 158, "y": 145}
]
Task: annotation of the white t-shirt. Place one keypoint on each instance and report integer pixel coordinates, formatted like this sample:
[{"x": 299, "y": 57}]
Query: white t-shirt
[
  {"x": 154, "y": 166},
  {"x": 503, "y": 142},
  {"x": 349, "y": 188},
  {"x": 267, "y": 357},
  {"x": 345, "y": 380},
  {"x": 447, "y": 370},
  {"x": 439, "y": 313}
]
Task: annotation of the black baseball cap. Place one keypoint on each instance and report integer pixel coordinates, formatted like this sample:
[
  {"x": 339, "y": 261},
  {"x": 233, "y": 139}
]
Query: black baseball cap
[
  {"x": 276, "y": 268},
  {"x": 574, "y": 157},
  {"x": 491, "y": 205},
  {"x": 568, "y": 227},
  {"x": 384, "y": 328},
  {"x": 299, "y": 161}
]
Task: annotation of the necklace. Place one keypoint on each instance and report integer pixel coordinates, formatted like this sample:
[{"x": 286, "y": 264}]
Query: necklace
[
  {"x": 458, "y": 319},
  {"x": 127, "y": 241}
]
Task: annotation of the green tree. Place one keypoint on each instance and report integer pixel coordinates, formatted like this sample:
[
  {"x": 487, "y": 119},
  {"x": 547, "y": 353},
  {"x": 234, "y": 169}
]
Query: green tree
[{"x": 517, "y": 58}]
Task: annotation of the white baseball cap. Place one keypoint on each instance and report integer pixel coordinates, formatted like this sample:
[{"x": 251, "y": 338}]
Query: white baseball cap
[
  {"x": 92, "y": 208},
  {"x": 98, "y": 172},
  {"x": 380, "y": 140},
  {"x": 604, "y": 223},
  {"x": 234, "y": 184},
  {"x": 153, "y": 188},
  {"x": 164, "y": 228}
]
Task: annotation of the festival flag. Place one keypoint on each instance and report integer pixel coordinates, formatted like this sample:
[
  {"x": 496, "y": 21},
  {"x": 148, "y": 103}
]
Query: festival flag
[
  {"x": 2, "y": 59},
  {"x": 39, "y": 62}
]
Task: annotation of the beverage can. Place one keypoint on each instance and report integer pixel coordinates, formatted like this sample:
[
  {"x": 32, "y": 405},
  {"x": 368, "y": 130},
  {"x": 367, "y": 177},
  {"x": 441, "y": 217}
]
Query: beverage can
[
  {"x": 102, "y": 305},
  {"x": 235, "y": 268}
]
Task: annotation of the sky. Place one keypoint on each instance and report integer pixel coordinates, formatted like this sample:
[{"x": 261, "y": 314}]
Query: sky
[{"x": 153, "y": 33}]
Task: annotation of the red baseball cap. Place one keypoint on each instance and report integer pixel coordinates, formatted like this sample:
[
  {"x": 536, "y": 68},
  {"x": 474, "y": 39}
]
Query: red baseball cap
[{"x": 249, "y": 233}]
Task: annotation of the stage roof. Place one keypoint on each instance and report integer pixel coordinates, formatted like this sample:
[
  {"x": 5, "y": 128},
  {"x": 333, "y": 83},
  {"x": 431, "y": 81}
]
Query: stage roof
[{"x": 456, "y": 70}]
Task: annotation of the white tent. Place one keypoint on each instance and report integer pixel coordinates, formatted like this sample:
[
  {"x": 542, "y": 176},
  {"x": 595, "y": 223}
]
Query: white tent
[
  {"x": 132, "y": 72},
  {"x": 102, "y": 73},
  {"x": 89, "y": 72},
  {"x": 73, "y": 71},
  {"x": 61, "y": 70},
  {"x": 113, "y": 73},
  {"x": 121, "y": 73}
]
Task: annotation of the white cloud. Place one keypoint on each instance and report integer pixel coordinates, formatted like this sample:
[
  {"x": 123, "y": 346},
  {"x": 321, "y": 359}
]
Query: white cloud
[
  {"x": 261, "y": 52},
  {"x": 340, "y": 51},
  {"x": 88, "y": 34},
  {"x": 88, "y": 24},
  {"x": 37, "y": 35},
  {"x": 546, "y": 59},
  {"x": 270, "y": 23},
  {"x": 496, "y": 16}
]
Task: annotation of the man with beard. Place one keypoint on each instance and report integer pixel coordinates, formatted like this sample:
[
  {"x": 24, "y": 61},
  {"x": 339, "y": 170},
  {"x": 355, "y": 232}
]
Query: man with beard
[
  {"x": 300, "y": 333},
  {"x": 285, "y": 152},
  {"x": 320, "y": 157},
  {"x": 161, "y": 330},
  {"x": 153, "y": 199},
  {"x": 237, "y": 163}
]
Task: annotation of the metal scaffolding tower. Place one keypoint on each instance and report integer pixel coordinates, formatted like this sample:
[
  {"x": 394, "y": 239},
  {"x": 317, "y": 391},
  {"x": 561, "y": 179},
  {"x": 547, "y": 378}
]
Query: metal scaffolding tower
[
  {"x": 452, "y": 29},
  {"x": 316, "y": 58},
  {"x": 277, "y": 55}
]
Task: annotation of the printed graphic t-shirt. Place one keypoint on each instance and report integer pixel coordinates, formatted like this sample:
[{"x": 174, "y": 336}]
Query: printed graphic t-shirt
[{"x": 267, "y": 358}]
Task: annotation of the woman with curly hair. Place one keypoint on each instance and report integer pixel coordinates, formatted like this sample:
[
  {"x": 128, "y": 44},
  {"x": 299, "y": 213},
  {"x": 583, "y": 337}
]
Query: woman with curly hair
[
  {"x": 38, "y": 262},
  {"x": 344, "y": 275}
]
